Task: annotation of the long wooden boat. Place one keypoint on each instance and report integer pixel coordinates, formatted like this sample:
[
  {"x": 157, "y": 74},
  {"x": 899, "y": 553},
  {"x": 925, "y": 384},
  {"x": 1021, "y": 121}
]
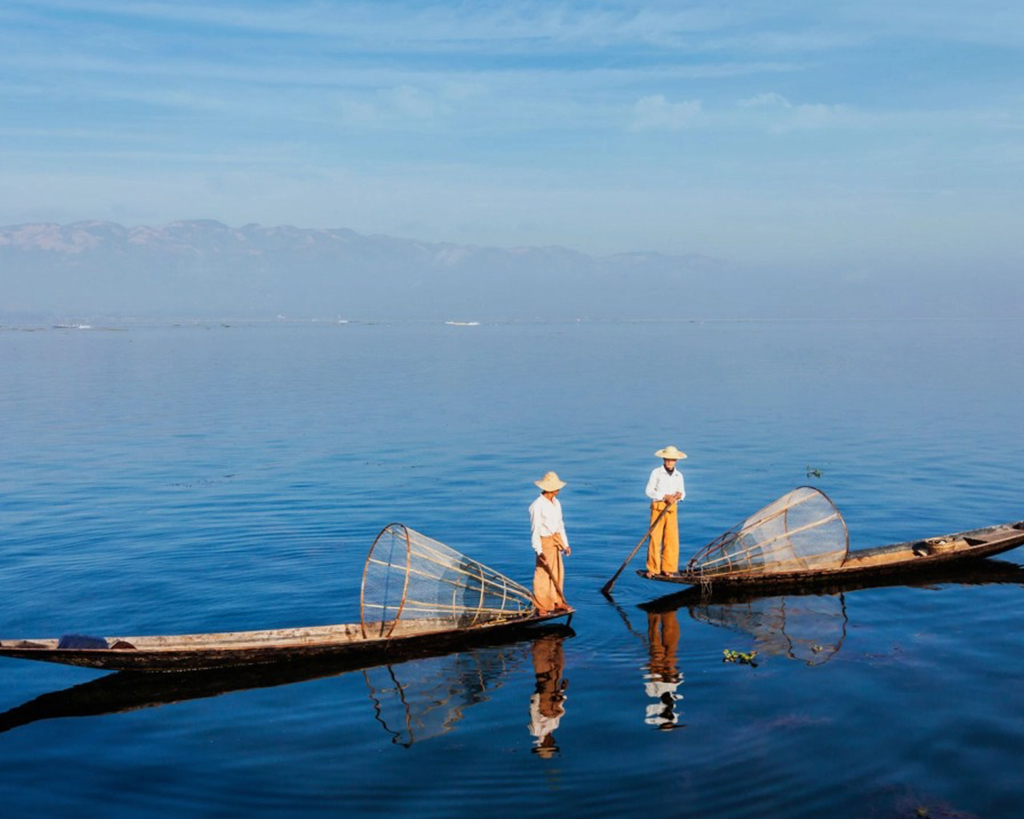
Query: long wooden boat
[
  {"x": 198, "y": 651},
  {"x": 126, "y": 691},
  {"x": 895, "y": 559},
  {"x": 809, "y": 621},
  {"x": 982, "y": 572},
  {"x": 415, "y": 592}
]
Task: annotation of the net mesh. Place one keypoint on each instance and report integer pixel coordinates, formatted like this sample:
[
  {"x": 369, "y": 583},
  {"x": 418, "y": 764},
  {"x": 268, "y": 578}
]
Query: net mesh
[
  {"x": 802, "y": 530},
  {"x": 412, "y": 583}
]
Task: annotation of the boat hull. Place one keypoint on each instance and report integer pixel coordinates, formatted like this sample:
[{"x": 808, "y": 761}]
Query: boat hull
[
  {"x": 204, "y": 651},
  {"x": 126, "y": 691},
  {"x": 896, "y": 559}
]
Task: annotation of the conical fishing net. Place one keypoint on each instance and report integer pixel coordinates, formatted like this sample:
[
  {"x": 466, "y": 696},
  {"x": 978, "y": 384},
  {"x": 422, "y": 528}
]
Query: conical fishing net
[
  {"x": 802, "y": 530},
  {"x": 413, "y": 584}
]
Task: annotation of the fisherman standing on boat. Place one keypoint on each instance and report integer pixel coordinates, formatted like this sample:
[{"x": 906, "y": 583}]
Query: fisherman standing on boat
[
  {"x": 665, "y": 488},
  {"x": 549, "y": 542}
]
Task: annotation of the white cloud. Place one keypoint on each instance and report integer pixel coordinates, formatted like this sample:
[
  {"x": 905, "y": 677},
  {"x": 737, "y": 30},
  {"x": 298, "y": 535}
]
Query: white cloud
[
  {"x": 781, "y": 115},
  {"x": 509, "y": 28},
  {"x": 763, "y": 100},
  {"x": 102, "y": 98},
  {"x": 413, "y": 102},
  {"x": 657, "y": 113},
  {"x": 391, "y": 105},
  {"x": 820, "y": 116}
]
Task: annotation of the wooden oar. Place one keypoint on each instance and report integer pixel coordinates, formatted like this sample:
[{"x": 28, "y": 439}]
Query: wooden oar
[{"x": 606, "y": 589}]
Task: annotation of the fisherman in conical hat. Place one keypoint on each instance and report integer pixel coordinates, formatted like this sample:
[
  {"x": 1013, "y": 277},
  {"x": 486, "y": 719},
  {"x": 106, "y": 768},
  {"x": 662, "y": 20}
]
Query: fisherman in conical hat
[
  {"x": 665, "y": 488},
  {"x": 550, "y": 543}
]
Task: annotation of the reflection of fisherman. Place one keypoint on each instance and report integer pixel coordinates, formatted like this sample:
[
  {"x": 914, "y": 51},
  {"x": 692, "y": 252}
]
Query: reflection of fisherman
[
  {"x": 665, "y": 488},
  {"x": 547, "y": 701},
  {"x": 664, "y": 677},
  {"x": 549, "y": 542}
]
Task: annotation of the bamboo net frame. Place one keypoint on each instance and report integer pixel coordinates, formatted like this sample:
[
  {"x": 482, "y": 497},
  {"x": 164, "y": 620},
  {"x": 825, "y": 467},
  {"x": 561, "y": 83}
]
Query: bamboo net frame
[
  {"x": 412, "y": 581},
  {"x": 801, "y": 531}
]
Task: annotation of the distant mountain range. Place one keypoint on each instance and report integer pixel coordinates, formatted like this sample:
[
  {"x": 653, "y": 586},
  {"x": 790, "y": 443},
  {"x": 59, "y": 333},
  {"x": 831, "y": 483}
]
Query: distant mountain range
[{"x": 208, "y": 269}]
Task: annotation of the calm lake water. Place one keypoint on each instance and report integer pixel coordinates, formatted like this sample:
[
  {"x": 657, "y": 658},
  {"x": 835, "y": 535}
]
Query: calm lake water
[{"x": 210, "y": 477}]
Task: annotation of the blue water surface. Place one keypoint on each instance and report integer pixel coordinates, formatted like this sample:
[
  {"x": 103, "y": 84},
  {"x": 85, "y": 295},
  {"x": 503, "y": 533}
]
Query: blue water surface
[{"x": 176, "y": 478}]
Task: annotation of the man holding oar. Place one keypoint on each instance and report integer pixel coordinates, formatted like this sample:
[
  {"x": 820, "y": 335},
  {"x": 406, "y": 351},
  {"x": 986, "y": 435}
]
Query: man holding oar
[
  {"x": 665, "y": 488},
  {"x": 550, "y": 543}
]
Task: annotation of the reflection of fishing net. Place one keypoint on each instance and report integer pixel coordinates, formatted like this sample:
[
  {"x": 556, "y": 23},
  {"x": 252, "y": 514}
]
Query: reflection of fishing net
[
  {"x": 802, "y": 530},
  {"x": 810, "y": 629},
  {"x": 412, "y": 584},
  {"x": 424, "y": 699}
]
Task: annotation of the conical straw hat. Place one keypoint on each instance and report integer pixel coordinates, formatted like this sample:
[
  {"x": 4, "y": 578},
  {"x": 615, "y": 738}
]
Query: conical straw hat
[
  {"x": 550, "y": 482},
  {"x": 671, "y": 453}
]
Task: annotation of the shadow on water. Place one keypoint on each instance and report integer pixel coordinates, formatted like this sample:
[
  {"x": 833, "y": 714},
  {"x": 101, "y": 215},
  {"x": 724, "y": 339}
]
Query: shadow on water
[
  {"x": 803, "y": 622},
  {"x": 417, "y": 693}
]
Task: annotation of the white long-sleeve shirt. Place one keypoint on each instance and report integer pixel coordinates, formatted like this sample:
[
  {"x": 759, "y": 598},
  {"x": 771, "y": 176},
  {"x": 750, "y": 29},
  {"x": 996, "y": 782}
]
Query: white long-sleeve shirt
[
  {"x": 661, "y": 483},
  {"x": 546, "y": 520}
]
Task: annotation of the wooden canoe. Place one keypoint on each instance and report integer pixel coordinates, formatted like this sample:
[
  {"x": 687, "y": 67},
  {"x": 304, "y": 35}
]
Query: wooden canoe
[
  {"x": 415, "y": 591},
  {"x": 970, "y": 573},
  {"x": 199, "y": 651},
  {"x": 895, "y": 559},
  {"x": 127, "y": 691}
]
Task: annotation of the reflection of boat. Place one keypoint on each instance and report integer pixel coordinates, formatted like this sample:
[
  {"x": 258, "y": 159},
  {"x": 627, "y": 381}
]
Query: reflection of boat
[
  {"x": 801, "y": 537},
  {"x": 132, "y": 690},
  {"x": 414, "y": 591},
  {"x": 417, "y": 701},
  {"x": 810, "y": 628},
  {"x": 808, "y": 623}
]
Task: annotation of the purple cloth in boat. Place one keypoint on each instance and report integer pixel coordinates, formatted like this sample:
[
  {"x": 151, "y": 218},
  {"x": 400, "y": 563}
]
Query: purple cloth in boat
[{"x": 81, "y": 641}]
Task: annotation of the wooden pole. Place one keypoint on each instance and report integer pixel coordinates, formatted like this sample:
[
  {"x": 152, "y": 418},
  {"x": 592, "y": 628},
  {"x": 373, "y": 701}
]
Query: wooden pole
[{"x": 606, "y": 589}]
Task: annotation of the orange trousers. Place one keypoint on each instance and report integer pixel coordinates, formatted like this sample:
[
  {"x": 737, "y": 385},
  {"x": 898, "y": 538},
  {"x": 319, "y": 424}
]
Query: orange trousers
[
  {"x": 663, "y": 547},
  {"x": 546, "y": 584}
]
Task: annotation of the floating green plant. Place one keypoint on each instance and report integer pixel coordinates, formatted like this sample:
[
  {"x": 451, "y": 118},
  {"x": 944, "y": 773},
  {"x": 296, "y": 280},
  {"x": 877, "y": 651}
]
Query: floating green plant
[{"x": 742, "y": 657}]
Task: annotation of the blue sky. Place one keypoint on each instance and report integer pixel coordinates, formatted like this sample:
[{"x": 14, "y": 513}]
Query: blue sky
[{"x": 851, "y": 135}]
